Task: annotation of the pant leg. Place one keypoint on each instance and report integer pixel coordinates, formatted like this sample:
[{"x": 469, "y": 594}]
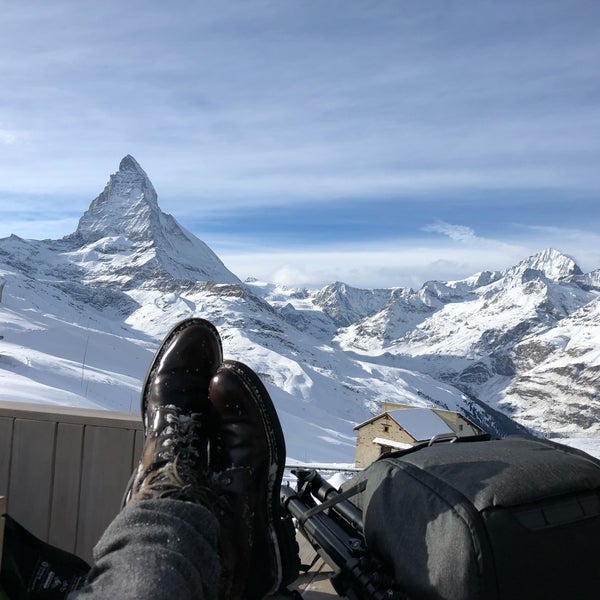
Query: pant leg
[{"x": 159, "y": 549}]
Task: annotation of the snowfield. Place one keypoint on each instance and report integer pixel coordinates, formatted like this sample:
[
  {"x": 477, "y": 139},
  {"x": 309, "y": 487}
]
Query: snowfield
[
  {"x": 81, "y": 317},
  {"x": 589, "y": 445}
]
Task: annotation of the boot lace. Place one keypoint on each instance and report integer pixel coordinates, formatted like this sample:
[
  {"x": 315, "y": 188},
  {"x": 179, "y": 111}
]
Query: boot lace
[{"x": 177, "y": 469}]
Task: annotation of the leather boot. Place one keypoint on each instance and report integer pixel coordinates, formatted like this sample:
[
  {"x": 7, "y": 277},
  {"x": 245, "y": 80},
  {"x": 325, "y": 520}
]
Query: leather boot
[
  {"x": 178, "y": 416},
  {"x": 247, "y": 452}
]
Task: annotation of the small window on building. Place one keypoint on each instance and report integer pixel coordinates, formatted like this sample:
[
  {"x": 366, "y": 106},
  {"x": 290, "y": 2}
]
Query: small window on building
[
  {"x": 386, "y": 428},
  {"x": 460, "y": 427}
]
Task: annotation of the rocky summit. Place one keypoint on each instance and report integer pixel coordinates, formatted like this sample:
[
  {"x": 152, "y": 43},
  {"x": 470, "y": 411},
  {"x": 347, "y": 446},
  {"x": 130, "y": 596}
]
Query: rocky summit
[{"x": 513, "y": 350}]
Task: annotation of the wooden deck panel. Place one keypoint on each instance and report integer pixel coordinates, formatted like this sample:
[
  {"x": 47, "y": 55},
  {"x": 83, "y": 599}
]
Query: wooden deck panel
[
  {"x": 107, "y": 464},
  {"x": 6, "y": 432},
  {"x": 32, "y": 459},
  {"x": 64, "y": 471},
  {"x": 2, "y": 513},
  {"x": 66, "y": 487}
]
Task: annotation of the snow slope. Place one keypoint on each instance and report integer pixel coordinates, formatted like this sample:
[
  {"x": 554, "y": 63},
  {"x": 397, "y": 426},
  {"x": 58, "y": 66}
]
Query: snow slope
[
  {"x": 82, "y": 316},
  {"x": 524, "y": 341}
]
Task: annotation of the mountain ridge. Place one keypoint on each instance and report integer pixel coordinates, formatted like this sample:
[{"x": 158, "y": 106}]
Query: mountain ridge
[{"x": 491, "y": 346}]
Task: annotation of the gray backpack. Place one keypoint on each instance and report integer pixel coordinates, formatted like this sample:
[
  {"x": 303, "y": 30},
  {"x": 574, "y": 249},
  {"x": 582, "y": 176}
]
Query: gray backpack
[{"x": 486, "y": 520}]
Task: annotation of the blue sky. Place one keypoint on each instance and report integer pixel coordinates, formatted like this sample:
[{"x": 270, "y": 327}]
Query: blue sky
[{"x": 377, "y": 143}]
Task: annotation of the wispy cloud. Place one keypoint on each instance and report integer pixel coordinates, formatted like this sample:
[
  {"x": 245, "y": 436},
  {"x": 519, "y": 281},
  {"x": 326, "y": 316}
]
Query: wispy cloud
[
  {"x": 458, "y": 233},
  {"x": 369, "y": 267},
  {"x": 457, "y": 254},
  {"x": 8, "y": 138},
  {"x": 262, "y": 101},
  {"x": 425, "y": 110}
]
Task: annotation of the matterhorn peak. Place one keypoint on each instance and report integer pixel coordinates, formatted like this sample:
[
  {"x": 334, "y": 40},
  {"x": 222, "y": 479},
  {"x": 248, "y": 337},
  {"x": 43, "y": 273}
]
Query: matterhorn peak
[
  {"x": 127, "y": 207},
  {"x": 128, "y": 163},
  {"x": 126, "y": 215}
]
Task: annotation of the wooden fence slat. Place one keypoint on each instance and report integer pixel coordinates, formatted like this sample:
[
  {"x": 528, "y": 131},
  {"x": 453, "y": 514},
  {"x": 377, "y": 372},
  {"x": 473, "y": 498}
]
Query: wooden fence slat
[
  {"x": 31, "y": 475},
  {"x": 65, "y": 492},
  {"x": 137, "y": 450},
  {"x": 69, "y": 414},
  {"x": 6, "y": 433},
  {"x": 2, "y": 512},
  {"x": 105, "y": 471}
]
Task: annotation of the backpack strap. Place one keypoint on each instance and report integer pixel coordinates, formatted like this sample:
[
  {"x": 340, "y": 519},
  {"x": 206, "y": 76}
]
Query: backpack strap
[{"x": 351, "y": 491}]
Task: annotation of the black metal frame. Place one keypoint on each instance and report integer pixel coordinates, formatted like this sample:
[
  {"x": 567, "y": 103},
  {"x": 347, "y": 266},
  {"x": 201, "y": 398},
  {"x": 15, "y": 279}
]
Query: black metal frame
[{"x": 333, "y": 526}]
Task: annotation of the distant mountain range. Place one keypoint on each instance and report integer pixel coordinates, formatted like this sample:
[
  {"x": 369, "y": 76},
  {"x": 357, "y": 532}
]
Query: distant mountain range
[{"x": 82, "y": 315}]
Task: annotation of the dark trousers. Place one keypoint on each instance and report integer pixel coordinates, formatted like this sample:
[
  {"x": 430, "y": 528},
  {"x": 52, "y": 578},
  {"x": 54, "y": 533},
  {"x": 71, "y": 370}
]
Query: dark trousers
[{"x": 156, "y": 549}]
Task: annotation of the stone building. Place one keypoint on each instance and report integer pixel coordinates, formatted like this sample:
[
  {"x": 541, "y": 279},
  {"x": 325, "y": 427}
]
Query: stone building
[{"x": 400, "y": 426}]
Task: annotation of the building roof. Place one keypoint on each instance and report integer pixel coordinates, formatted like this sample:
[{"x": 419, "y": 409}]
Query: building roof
[{"x": 421, "y": 423}]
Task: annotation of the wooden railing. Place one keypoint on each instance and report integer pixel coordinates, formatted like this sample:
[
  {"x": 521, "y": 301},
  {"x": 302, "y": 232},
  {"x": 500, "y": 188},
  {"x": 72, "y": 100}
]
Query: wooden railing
[
  {"x": 2, "y": 512},
  {"x": 64, "y": 470}
]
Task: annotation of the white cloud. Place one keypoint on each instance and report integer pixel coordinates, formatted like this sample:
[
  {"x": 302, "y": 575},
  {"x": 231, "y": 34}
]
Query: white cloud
[
  {"x": 372, "y": 266},
  {"x": 374, "y": 101},
  {"x": 368, "y": 102},
  {"x": 9, "y": 138},
  {"x": 458, "y": 233},
  {"x": 408, "y": 262}
]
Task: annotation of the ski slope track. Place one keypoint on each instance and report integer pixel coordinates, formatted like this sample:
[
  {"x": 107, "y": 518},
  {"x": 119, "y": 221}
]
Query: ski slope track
[{"x": 82, "y": 316}]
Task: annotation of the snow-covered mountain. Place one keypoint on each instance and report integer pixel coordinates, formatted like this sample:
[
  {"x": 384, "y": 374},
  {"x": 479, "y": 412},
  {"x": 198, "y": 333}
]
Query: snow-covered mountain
[
  {"x": 125, "y": 239},
  {"x": 81, "y": 317},
  {"x": 525, "y": 341}
]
